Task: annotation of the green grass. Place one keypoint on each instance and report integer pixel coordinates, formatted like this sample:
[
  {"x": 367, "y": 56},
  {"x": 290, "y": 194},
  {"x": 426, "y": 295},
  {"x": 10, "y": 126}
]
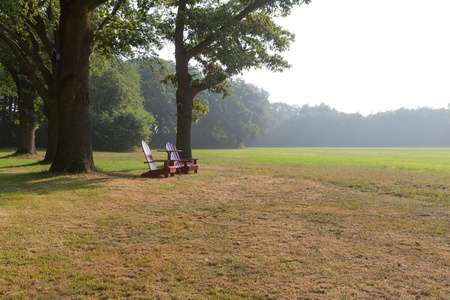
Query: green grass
[
  {"x": 429, "y": 159},
  {"x": 432, "y": 159},
  {"x": 418, "y": 173}
]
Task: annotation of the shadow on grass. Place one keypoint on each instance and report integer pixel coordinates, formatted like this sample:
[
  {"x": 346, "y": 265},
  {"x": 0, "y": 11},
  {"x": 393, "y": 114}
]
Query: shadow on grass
[
  {"x": 22, "y": 155},
  {"x": 22, "y": 176},
  {"x": 39, "y": 163},
  {"x": 39, "y": 160},
  {"x": 42, "y": 183},
  {"x": 45, "y": 183},
  {"x": 21, "y": 166}
]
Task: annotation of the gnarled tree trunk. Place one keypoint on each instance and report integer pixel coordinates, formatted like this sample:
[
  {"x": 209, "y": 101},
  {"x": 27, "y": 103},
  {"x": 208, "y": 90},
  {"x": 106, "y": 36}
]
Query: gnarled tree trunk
[{"x": 74, "y": 151}]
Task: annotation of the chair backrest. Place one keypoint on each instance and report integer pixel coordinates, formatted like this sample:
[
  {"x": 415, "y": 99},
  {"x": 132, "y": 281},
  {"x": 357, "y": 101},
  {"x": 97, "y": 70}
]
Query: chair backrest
[
  {"x": 174, "y": 155},
  {"x": 148, "y": 156}
]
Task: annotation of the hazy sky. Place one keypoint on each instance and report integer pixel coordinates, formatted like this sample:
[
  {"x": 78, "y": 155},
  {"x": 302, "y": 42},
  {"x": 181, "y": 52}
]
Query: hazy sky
[{"x": 365, "y": 56}]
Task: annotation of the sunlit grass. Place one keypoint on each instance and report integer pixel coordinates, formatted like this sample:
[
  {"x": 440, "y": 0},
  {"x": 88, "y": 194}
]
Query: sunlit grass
[{"x": 433, "y": 159}]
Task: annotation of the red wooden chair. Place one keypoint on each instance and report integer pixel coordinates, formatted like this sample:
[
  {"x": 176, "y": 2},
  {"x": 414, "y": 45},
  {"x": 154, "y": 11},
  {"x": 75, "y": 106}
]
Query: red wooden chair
[
  {"x": 183, "y": 165},
  {"x": 166, "y": 170}
]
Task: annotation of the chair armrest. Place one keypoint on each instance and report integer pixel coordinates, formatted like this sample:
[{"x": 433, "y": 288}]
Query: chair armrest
[
  {"x": 186, "y": 160},
  {"x": 157, "y": 160}
]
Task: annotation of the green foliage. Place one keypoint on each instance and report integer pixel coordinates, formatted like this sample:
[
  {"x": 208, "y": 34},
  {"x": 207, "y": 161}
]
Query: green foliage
[
  {"x": 119, "y": 119},
  {"x": 117, "y": 86},
  {"x": 10, "y": 10},
  {"x": 200, "y": 109},
  {"x": 278, "y": 112},
  {"x": 30, "y": 25},
  {"x": 232, "y": 122},
  {"x": 120, "y": 27},
  {"x": 7, "y": 85},
  {"x": 219, "y": 122},
  {"x": 322, "y": 126},
  {"x": 120, "y": 130},
  {"x": 130, "y": 30},
  {"x": 159, "y": 99},
  {"x": 253, "y": 42}
]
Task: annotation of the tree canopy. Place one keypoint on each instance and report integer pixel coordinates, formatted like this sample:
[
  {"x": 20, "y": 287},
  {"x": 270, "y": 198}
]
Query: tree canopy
[{"x": 224, "y": 38}]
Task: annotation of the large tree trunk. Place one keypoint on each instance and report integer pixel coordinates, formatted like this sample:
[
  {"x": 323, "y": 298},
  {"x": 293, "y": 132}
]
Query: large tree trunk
[
  {"x": 27, "y": 125},
  {"x": 184, "y": 123},
  {"x": 74, "y": 151},
  {"x": 51, "y": 113},
  {"x": 185, "y": 105},
  {"x": 185, "y": 93}
]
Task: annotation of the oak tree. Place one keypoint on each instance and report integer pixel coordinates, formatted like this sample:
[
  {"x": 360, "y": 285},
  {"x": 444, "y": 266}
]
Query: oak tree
[
  {"x": 53, "y": 42},
  {"x": 224, "y": 38}
]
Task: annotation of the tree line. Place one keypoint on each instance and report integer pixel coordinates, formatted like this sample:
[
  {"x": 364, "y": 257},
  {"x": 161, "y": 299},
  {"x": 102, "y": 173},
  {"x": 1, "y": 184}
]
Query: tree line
[
  {"x": 129, "y": 103},
  {"x": 323, "y": 126}
]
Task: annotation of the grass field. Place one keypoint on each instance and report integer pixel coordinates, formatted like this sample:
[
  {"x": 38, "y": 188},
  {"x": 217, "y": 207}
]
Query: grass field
[{"x": 257, "y": 223}]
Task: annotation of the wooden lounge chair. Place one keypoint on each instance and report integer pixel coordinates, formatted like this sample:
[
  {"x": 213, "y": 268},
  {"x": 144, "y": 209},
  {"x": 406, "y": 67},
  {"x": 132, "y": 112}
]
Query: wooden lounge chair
[
  {"x": 166, "y": 170},
  {"x": 183, "y": 165}
]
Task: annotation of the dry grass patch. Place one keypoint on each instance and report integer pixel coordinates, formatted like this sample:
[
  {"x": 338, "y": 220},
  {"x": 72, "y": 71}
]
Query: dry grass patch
[{"x": 226, "y": 233}]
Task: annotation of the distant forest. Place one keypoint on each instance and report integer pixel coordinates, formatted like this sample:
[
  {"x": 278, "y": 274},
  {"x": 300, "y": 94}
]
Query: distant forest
[
  {"x": 322, "y": 126},
  {"x": 129, "y": 103}
]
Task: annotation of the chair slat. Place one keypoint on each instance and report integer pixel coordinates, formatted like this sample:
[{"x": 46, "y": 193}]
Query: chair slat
[
  {"x": 174, "y": 156},
  {"x": 148, "y": 156}
]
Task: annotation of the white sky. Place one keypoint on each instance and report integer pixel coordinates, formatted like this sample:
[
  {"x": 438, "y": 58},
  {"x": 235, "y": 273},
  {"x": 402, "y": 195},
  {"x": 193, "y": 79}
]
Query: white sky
[{"x": 365, "y": 56}]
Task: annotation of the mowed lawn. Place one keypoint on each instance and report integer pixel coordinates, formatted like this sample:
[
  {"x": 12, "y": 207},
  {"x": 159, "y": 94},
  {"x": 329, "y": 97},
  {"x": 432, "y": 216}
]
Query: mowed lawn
[{"x": 256, "y": 223}]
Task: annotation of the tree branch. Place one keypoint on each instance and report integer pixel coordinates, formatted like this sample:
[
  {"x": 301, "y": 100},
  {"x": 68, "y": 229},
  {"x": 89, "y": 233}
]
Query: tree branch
[
  {"x": 39, "y": 28},
  {"x": 19, "y": 43},
  {"x": 25, "y": 66},
  {"x": 213, "y": 37},
  {"x": 106, "y": 21},
  {"x": 208, "y": 82},
  {"x": 108, "y": 18}
]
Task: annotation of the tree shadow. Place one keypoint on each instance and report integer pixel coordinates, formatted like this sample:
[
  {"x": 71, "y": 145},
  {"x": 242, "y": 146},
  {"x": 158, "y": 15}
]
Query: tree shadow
[
  {"x": 40, "y": 160},
  {"x": 27, "y": 185},
  {"x": 44, "y": 183},
  {"x": 22, "y": 182},
  {"x": 22, "y": 155},
  {"x": 21, "y": 166}
]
